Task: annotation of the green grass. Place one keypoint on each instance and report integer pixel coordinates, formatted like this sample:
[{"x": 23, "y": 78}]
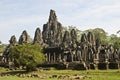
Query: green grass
[{"x": 91, "y": 74}]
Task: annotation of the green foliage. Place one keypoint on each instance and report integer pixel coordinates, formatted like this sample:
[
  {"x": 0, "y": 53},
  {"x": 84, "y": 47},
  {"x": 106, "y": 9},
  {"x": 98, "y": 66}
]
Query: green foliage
[
  {"x": 115, "y": 41},
  {"x": 2, "y": 47},
  {"x": 78, "y": 32},
  {"x": 27, "y": 55},
  {"x": 29, "y": 39},
  {"x": 100, "y": 34},
  {"x": 105, "y": 39}
]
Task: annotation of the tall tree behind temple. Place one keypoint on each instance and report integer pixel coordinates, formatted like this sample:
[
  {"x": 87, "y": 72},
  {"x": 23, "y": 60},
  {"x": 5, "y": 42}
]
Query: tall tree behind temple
[
  {"x": 114, "y": 40},
  {"x": 99, "y": 34},
  {"x": 78, "y": 32},
  {"x": 2, "y": 47}
]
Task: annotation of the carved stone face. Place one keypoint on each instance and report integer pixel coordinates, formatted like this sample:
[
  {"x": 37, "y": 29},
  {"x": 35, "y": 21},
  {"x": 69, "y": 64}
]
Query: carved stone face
[
  {"x": 23, "y": 38},
  {"x": 52, "y": 31},
  {"x": 84, "y": 38},
  {"x": 73, "y": 36},
  {"x": 13, "y": 40},
  {"x": 38, "y": 36}
]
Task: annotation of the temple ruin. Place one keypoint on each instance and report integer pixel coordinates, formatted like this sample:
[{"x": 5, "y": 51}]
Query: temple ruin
[{"x": 62, "y": 47}]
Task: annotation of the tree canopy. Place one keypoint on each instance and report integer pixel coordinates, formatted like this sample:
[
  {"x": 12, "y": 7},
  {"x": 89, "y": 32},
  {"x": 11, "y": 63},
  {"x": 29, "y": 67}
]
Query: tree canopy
[{"x": 100, "y": 34}]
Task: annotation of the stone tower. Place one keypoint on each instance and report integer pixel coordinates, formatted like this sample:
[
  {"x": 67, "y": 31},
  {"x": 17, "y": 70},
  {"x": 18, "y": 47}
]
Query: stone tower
[
  {"x": 52, "y": 31},
  {"x": 38, "y": 37},
  {"x": 23, "y": 38}
]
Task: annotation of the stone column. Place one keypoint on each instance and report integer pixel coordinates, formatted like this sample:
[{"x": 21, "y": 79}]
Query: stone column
[
  {"x": 60, "y": 58},
  {"x": 72, "y": 57},
  {"x": 54, "y": 57},
  {"x": 107, "y": 64},
  {"x": 96, "y": 64},
  {"x": 118, "y": 65},
  {"x": 48, "y": 57}
]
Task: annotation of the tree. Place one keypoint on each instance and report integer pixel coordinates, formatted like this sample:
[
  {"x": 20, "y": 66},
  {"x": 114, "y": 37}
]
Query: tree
[
  {"x": 115, "y": 41},
  {"x": 78, "y": 32},
  {"x": 27, "y": 55},
  {"x": 99, "y": 34},
  {"x": 2, "y": 47},
  {"x": 29, "y": 39}
]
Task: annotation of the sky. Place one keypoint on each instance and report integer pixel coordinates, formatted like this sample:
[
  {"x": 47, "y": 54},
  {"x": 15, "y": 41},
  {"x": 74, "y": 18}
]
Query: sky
[{"x": 19, "y": 15}]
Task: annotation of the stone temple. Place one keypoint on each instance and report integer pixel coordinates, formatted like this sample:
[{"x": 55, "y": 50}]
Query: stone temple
[{"x": 63, "y": 50}]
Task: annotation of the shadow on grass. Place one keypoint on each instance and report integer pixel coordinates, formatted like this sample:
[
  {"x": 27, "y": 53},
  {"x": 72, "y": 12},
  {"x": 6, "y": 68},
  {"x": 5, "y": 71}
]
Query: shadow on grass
[{"x": 15, "y": 72}]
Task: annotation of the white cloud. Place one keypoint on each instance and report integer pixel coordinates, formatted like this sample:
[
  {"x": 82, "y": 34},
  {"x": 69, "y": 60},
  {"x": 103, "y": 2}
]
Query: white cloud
[
  {"x": 16, "y": 25},
  {"x": 18, "y": 15},
  {"x": 106, "y": 16}
]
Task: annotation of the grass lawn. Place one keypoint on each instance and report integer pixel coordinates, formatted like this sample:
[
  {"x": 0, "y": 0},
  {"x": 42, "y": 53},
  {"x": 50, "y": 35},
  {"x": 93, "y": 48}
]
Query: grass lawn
[{"x": 91, "y": 74}]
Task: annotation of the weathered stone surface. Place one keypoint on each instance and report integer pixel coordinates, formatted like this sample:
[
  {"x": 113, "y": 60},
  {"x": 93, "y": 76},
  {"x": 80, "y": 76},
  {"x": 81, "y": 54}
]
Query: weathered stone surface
[
  {"x": 38, "y": 37},
  {"x": 83, "y": 38},
  {"x": 73, "y": 36},
  {"x": 98, "y": 43},
  {"x": 66, "y": 40},
  {"x": 88, "y": 51},
  {"x": 62, "y": 46},
  {"x": 52, "y": 31},
  {"x": 23, "y": 38},
  {"x": 73, "y": 39},
  {"x": 6, "y": 58},
  {"x": 91, "y": 38},
  {"x": 13, "y": 40}
]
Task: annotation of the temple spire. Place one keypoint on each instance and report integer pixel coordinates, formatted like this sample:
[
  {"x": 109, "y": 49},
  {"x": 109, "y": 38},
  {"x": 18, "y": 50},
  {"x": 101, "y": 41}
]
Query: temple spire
[{"x": 52, "y": 16}]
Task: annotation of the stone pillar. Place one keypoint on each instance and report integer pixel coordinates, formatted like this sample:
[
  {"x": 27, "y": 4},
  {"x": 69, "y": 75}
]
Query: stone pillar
[
  {"x": 85, "y": 55},
  {"x": 118, "y": 65},
  {"x": 46, "y": 57},
  {"x": 71, "y": 57},
  {"x": 49, "y": 57},
  {"x": 65, "y": 58},
  {"x": 54, "y": 57},
  {"x": 60, "y": 58},
  {"x": 107, "y": 64},
  {"x": 96, "y": 64}
]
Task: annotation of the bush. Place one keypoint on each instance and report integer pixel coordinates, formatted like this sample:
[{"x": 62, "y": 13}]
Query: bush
[{"x": 27, "y": 55}]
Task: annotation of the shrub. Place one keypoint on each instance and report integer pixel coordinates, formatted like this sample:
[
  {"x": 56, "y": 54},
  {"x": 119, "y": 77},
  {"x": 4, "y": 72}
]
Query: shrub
[{"x": 27, "y": 55}]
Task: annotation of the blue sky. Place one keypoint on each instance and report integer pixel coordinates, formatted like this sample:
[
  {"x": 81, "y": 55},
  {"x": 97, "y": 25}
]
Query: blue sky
[{"x": 19, "y": 15}]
